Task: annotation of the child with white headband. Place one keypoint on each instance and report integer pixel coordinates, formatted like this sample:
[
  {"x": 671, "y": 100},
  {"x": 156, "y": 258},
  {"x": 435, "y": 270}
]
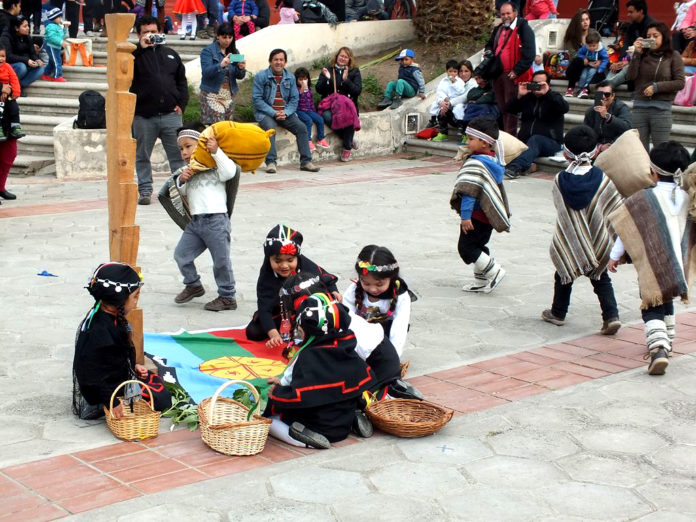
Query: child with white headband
[
  {"x": 584, "y": 197},
  {"x": 480, "y": 200},
  {"x": 209, "y": 227}
]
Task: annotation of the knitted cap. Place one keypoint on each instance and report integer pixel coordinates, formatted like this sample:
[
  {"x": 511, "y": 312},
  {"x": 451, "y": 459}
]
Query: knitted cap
[
  {"x": 113, "y": 283},
  {"x": 282, "y": 240},
  {"x": 54, "y": 13}
]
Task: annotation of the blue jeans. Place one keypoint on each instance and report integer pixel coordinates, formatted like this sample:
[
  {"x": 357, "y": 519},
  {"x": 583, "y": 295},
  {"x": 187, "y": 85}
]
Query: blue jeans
[
  {"x": 295, "y": 126},
  {"x": 54, "y": 68},
  {"x": 312, "y": 117},
  {"x": 602, "y": 287},
  {"x": 27, "y": 75},
  {"x": 146, "y": 131},
  {"x": 212, "y": 232},
  {"x": 586, "y": 77},
  {"x": 538, "y": 146}
]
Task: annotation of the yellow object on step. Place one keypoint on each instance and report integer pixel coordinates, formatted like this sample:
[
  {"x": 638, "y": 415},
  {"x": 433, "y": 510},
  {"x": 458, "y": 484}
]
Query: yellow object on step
[{"x": 244, "y": 143}]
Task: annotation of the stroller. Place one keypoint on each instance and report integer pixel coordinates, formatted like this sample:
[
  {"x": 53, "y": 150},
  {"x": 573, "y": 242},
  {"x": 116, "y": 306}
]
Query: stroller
[{"x": 603, "y": 15}]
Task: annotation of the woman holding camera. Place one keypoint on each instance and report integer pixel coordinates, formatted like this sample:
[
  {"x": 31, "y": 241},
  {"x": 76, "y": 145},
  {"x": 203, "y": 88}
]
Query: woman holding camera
[
  {"x": 658, "y": 73},
  {"x": 219, "y": 77}
]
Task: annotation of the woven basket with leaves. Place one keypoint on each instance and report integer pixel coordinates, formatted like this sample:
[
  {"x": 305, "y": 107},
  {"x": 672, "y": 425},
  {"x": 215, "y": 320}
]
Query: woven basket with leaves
[
  {"x": 231, "y": 428},
  {"x": 408, "y": 417},
  {"x": 141, "y": 423}
]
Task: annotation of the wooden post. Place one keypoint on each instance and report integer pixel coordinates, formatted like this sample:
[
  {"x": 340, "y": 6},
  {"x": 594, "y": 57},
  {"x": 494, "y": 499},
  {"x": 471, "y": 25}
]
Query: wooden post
[{"x": 124, "y": 234}]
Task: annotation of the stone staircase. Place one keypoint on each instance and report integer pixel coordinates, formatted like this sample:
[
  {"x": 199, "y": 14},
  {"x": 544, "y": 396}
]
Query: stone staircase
[{"x": 44, "y": 105}]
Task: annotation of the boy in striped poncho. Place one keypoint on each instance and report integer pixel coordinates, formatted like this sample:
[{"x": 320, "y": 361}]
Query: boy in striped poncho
[
  {"x": 657, "y": 232},
  {"x": 479, "y": 198},
  {"x": 583, "y": 196}
]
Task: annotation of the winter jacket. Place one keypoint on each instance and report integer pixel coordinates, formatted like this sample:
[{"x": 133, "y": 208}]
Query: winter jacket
[
  {"x": 413, "y": 76},
  {"x": 601, "y": 54},
  {"x": 159, "y": 81},
  {"x": 524, "y": 46},
  {"x": 8, "y": 76},
  {"x": 213, "y": 75},
  {"x": 636, "y": 30},
  {"x": 54, "y": 35},
  {"x": 351, "y": 86},
  {"x": 263, "y": 92},
  {"x": 663, "y": 70},
  {"x": 608, "y": 130},
  {"x": 243, "y": 8},
  {"x": 539, "y": 115},
  {"x": 18, "y": 48}
]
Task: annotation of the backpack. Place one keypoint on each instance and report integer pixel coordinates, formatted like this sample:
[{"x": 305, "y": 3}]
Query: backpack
[
  {"x": 556, "y": 64},
  {"x": 92, "y": 111},
  {"x": 312, "y": 13}
]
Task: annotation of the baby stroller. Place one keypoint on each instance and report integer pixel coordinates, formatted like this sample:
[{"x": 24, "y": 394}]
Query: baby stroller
[{"x": 603, "y": 15}]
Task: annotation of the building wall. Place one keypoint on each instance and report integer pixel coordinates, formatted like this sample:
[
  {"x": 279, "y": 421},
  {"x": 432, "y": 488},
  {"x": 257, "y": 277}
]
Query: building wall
[{"x": 662, "y": 10}]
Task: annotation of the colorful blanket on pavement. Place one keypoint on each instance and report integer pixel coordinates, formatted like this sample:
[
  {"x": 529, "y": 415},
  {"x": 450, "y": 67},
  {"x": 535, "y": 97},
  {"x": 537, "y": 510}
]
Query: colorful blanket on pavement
[{"x": 200, "y": 361}]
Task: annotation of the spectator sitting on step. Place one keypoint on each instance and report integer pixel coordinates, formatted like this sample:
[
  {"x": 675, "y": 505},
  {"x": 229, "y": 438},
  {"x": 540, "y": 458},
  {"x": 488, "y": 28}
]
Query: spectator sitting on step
[
  {"x": 541, "y": 114},
  {"x": 288, "y": 14},
  {"x": 54, "y": 42},
  {"x": 610, "y": 119},
  {"x": 480, "y": 103},
  {"x": 9, "y": 92},
  {"x": 365, "y": 10},
  {"x": 244, "y": 14},
  {"x": 21, "y": 53},
  {"x": 689, "y": 58},
  {"x": 10, "y": 10},
  {"x": 540, "y": 9},
  {"x": 409, "y": 83},
  {"x": 685, "y": 27},
  {"x": 595, "y": 60},
  {"x": 314, "y": 12},
  {"x": 444, "y": 108},
  {"x": 637, "y": 12}
]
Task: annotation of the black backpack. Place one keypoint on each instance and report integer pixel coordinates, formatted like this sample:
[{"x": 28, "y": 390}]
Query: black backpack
[
  {"x": 312, "y": 13},
  {"x": 92, "y": 111}
]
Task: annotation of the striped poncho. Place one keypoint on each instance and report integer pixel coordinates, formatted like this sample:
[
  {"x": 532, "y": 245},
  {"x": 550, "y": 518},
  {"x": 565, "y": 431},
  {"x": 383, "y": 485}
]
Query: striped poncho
[
  {"x": 476, "y": 181},
  {"x": 582, "y": 241}
]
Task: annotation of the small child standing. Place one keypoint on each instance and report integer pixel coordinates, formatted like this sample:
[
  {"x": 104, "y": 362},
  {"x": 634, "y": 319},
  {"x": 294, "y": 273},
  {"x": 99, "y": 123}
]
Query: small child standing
[
  {"x": 584, "y": 197},
  {"x": 209, "y": 227},
  {"x": 189, "y": 9},
  {"x": 595, "y": 58},
  {"x": 244, "y": 13},
  {"x": 288, "y": 15},
  {"x": 54, "y": 41},
  {"x": 540, "y": 9},
  {"x": 656, "y": 231},
  {"x": 10, "y": 90},
  {"x": 480, "y": 200},
  {"x": 409, "y": 83},
  {"x": 306, "y": 110},
  {"x": 450, "y": 88}
]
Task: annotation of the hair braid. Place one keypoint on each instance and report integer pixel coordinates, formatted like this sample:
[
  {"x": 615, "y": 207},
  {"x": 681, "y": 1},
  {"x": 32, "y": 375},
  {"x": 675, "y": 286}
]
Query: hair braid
[
  {"x": 126, "y": 331},
  {"x": 359, "y": 299},
  {"x": 395, "y": 284}
]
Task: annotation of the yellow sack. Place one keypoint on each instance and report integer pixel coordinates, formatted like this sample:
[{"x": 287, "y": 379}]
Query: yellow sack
[{"x": 244, "y": 143}]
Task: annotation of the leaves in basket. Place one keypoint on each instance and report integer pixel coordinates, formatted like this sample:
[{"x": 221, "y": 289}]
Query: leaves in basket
[{"x": 183, "y": 410}]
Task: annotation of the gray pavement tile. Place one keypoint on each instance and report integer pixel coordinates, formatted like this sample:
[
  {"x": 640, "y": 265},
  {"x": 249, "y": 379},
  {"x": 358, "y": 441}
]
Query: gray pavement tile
[
  {"x": 514, "y": 472},
  {"x": 308, "y": 485},
  {"x": 665, "y": 516},
  {"x": 679, "y": 458},
  {"x": 671, "y": 494},
  {"x": 632, "y": 413},
  {"x": 532, "y": 444},
  {"x": 621, "y": 439},
  {"x": 414, "y": 478},
  {"x": 609, "y": 469},
  {"x": 387, "y": 508},
  {"x": 483, "y": 503},
  {"x": 595, "y": 502},
  {"x": 444, "y": 449}
]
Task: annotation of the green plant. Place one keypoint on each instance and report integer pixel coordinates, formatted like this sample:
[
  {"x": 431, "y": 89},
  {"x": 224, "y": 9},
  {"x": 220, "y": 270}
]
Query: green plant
[
  {"x": 192, "y": 114},
  {"x": 321, "y": 62},
  {"x": 183, "y": 410},
  {"x": 371, "y": 85}
]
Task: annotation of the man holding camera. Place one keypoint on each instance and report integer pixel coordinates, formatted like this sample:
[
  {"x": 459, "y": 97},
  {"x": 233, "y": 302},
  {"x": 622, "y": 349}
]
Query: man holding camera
[
  {"x": 637, "y": 13},
  {"x": 609, "y": 117},
  {"x": 541, "y": 112},
  {"x": 159, "y": 82}
]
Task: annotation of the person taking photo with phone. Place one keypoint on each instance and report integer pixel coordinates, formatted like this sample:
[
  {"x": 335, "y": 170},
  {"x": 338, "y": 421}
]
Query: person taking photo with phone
[
  {"x": 658, "y": 73},
  {"x": 541, "y": 114},
  {"x": 221, "y": 67},
  {"x": 609, "y": 117}
]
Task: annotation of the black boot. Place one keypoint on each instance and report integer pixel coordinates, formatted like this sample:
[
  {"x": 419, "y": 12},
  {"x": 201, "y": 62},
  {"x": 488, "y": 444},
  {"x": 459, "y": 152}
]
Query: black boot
[
  {"x": 311, "y": 438},
  {"x": 403, "y": 390},
  {"x": 362, "y": 425},
  {"x": 6, "y": 194},
  {"x": 396, "y": 103},
  {"x": 386, "y": 102}
]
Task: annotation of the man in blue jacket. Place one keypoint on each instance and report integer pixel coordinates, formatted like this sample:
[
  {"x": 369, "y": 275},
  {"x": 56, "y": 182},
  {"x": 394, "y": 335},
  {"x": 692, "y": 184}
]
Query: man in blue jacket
[{"x": 275, "y": 98}]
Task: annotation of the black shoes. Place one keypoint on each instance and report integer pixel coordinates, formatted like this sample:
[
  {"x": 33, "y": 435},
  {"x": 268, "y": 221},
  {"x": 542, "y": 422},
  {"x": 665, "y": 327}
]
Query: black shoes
[
  {"x": 189, "y": 293},
  {"x": 362, "y": 425},
  {"x": 658, "y": 361},
  {"x": 403, "y": 390},
  {"x": 386, "y": 102},
  {"x": 144, "y": 199},
  {"x": 311, "y": 438},
  {"x": 396, "y": 103},
  {"x": 5, "y": 194}
]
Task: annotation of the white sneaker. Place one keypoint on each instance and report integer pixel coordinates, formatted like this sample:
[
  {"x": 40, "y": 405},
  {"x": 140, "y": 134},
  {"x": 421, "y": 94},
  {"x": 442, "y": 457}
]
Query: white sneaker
[{"x": 495, "y": 281}]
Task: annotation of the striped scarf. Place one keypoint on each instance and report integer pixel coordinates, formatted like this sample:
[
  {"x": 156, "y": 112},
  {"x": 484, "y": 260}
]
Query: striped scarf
[
  {"x": 582, "y": 241},
  {"x": 662, "y": 247},
  {"x": 476, "y": 181}
]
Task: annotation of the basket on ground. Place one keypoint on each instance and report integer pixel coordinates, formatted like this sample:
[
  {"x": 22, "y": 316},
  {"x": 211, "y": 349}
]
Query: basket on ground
[
  {"x": 408, "y": 417},
  {"x": 141, "y": 423},
  {"x": 227, "y": 427}
]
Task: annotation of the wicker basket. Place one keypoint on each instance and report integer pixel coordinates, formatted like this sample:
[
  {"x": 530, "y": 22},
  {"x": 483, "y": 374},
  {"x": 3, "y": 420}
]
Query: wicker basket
[
  {"x": 408, "y": 417},
  {"x": 404, "y": 368},
  {"x": 224, "y": 424},
  {"x": 141, "y": 423}
]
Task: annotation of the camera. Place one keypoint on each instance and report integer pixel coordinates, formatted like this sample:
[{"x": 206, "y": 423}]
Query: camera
[
  {"x": 533, "y": 86},
  {"x": 648, "y": 43},
  {"x": 156, "y": 39}
]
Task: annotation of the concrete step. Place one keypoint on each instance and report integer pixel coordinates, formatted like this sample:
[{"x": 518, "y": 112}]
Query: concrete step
[
  {"x": 36, "y": 144},
  {"x": 180, "y": 46},
  {"x": 26, "y": 164},
  {"x": 48, "y": 106},
  {"x": 100, "y": 56},
  {"x": 79, "y": 73},
  {"x": 680, "y": 115},
  {"x": 443, "y": 148},
  {"x": 43, "y": 125},
  {"x": 66, "y": 90},
  {"x": 683, "y": 133}
]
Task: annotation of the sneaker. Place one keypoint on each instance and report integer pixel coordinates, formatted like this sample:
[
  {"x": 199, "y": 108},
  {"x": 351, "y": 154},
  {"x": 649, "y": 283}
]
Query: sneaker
[
  {"x": 511, "y": 173},
  {"x": 183, "y": 36},
  {"x": 569, "y": 92},
  {"x": 462, "y": 143},
  {"x": 311, "y": 438},
  {"x": 345, "y": 155},
  {"x": 323, "y": 144},
  {"x": 610, "y": 326},
  {"x": 46, "y": 78},
  {"x": 396, "y": 103},
  {"x": 440, "y": 137},
  {"x": 271, "y": 168},
  {"x": 432, "y": 123},
  {"x": 658, "y": 361},
  {"x": 362, "y": 425},
  {"x": 404, "y": 390},
  {"x": 16, "y": 132},
  {"x": 60, "y": 79},
  {"x": 309, "y": 167},
  {"x": 188, "y": 293},
  {"x": 144, "y": 199},
  {"x": 193, "y": 37},
  {"x": 312, "y": 148},
  {"x": 548, "y": 316},
  {"x": 212, "y": 32},
  {"x": 386, "y": 102},
  {"x": 583, "y": 94},
  {"x": 202, "y": 33},
  {"x": 221, "y": 303},
  {"x": 495, "y": 281}
]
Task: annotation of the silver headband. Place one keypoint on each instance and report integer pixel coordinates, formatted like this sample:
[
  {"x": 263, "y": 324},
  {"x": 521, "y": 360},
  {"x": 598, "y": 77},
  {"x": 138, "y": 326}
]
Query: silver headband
[
  {"x": 497, "y": 144},
  {"x": 578, "y": 159},
  {"x": 677, "y": 175},
  {"x": 188, "y": 133}
]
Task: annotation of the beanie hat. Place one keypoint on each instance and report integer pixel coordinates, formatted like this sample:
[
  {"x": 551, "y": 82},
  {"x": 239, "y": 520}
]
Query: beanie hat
[
  {"x": 54, "y": 13},
  {"x": 113, "y": 283},
  {"x": 282, "y": 240}
]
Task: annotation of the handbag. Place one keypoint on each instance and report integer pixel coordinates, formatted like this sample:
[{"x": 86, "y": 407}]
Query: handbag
[
  {"x": 492, "y": 66},
  {"x": 341, "y": 108}
]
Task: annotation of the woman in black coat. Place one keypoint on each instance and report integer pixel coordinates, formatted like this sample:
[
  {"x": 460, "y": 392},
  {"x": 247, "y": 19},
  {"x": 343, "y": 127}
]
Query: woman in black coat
[{"x": 20, "y": 51}]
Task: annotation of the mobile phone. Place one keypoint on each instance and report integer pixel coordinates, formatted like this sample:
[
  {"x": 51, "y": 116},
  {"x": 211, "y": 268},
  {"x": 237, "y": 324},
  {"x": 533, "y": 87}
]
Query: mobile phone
[
  {"x": 598, "y": 97},
  {"x": 235, "y": 58},
  {"x": 533, "y": 86}
]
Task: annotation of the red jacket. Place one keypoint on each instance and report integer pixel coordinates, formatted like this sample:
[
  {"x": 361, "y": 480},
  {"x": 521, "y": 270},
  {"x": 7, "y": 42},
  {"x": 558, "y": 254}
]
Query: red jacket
[{"x": 7, "y": 75}]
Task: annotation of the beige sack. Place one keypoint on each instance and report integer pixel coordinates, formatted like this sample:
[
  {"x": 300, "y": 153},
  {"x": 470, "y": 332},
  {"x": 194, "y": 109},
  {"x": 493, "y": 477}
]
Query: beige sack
[
  {"x": 627, "y": 164},
  {"x": 512, "y": 147}
]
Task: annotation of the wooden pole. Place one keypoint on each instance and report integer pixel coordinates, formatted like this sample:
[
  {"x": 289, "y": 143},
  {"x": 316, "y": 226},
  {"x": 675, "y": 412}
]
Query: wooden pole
[{"x": 122, "y": 191}]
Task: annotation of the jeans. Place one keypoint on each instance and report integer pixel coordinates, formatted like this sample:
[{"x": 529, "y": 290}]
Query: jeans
[
  {"x": 296, "y": 127},
  {"x": 400, "y": 88},
  {"x": 212, "y": 11},
  {"x": 308, "y": 118},
  {"x": 586, "y": 77},
  {"x": 652, "y": 123},
  {"x": 602, "y": 288},
  {"x": 506, "y": 90},
  {"x": 27, "y": 75},
  {"x": 54, "y": 69},
  {"x": 146, "y": 131},
  {"x": 617, "y": 78},
  {"x": 538, "y": 146},
  {"x": 658, "y": 312},
  {"x": 211, "y": 231}
]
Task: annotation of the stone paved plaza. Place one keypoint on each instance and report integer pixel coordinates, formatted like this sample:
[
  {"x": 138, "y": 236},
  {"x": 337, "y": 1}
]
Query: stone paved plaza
[{"x": 611, "y": 444}]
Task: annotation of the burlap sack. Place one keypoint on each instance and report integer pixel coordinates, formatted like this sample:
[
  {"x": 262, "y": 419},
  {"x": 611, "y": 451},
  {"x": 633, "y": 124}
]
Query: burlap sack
[
  {"x": 627, "y": 164},
  {"x": 512, "y": 147}
]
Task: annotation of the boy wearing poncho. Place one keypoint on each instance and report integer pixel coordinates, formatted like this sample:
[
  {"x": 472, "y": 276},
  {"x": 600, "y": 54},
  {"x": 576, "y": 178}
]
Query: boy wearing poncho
[
  {"x": 657, "y": 232},
  {"x": 584, "y": 197},
  {"x": 480, "y": 200}
]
